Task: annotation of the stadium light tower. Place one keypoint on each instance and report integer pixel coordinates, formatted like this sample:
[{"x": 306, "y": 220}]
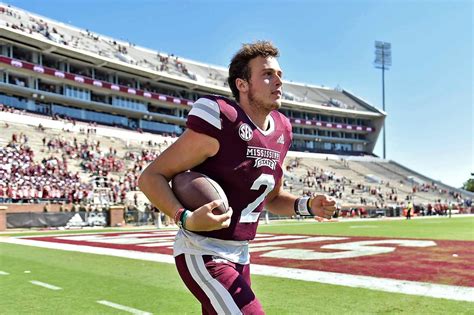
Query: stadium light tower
[{"x": 383, "y": 60}]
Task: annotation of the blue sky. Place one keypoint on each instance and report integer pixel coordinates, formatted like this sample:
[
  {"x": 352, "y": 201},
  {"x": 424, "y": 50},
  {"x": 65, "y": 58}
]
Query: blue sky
[{"x": 429, "y": 88}]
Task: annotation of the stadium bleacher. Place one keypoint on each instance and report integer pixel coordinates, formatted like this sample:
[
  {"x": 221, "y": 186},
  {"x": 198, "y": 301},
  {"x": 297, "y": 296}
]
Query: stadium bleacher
[
  {"x": 347, "y": 179},
  {"x": 105, "y": 157},
  {"x": 168, "y": 63},
  {"x": 90, "y": 158},
  {"x": 79, "y": 153}
]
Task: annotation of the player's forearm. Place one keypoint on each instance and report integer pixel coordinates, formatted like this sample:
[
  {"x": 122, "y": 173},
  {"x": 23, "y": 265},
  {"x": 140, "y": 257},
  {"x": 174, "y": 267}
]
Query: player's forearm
[
  {"x": 157, "y": 189},
  {"x": 283, "y": 204}
]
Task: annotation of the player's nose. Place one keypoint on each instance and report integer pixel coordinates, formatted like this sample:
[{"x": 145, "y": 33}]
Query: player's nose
[{"x": 278, "y": 81}]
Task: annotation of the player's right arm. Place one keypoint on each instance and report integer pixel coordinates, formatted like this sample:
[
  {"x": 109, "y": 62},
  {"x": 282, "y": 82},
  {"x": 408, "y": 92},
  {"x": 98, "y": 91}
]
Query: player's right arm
[{"x": 191, "y": 149}]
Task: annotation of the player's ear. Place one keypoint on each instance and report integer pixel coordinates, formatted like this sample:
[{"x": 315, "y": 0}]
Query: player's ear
[{"x": 242, "y": 85}]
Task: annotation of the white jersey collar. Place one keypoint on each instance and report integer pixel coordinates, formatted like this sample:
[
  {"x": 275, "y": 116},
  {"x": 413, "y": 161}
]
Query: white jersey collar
[{"x": 271, "y": 124}]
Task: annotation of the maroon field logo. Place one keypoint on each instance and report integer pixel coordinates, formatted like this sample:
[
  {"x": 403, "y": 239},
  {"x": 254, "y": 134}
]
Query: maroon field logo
[{"x": 433, "y": 261}]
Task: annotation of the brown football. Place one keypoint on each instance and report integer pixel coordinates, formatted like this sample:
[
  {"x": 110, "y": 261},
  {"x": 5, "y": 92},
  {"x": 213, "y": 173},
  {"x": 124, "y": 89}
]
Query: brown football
[{"x": 194, "y": 190}]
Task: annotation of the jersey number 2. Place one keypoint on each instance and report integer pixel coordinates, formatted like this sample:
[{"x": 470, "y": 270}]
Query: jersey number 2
[{"x": 247, "y": 215}]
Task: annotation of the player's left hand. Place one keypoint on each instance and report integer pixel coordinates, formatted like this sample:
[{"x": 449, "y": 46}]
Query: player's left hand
[{"x": 323, "y": 207}]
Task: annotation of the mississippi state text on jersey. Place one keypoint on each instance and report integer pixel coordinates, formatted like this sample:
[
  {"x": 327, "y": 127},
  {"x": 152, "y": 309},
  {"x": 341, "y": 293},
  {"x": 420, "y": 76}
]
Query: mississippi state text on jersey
[{"x": 249, "y": 161}]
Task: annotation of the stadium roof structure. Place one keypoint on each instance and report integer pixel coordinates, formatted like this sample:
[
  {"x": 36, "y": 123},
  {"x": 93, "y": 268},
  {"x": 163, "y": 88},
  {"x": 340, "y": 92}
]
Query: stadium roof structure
[
  {"x": 82, "y": 74},
  {"x": 103, "y": 51}
]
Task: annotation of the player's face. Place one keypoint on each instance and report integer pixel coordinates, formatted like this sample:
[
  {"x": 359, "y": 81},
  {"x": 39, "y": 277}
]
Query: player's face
[{"x": 265, "y": 84}]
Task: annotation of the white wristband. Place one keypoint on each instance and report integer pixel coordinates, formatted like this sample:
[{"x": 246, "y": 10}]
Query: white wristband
[{"x": 301, "y": 207}]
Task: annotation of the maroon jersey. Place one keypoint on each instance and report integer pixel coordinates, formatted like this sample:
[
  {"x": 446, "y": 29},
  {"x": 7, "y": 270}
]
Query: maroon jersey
[{"x": 248, "y": 164}]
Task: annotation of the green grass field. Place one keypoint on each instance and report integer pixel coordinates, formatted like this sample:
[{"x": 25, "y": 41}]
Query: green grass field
[
  {"x": 156, "y": 287},
  {"x": 455, "y": 228}
]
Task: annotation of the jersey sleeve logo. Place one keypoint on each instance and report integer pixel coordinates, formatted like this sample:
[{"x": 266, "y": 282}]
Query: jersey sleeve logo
[
  {"x": 281, "y": 140},
  {"x": 245, "y": 132},
  {"x": 208, "y": 110}
]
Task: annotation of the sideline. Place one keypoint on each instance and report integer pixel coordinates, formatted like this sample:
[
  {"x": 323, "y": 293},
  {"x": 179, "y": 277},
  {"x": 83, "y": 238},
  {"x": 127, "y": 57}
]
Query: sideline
[{"x": 132, "y": 228}]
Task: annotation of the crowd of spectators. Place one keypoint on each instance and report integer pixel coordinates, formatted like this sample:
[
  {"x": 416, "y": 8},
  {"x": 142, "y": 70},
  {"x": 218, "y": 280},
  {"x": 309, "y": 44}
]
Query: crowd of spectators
[
  {"x": 117, "y": 168},
  {"x": 9, "y": 109},
  {"x": 105, "y": 168},
  {"x": 24, "y": 180},
  {"x": 385, "y": 194}
]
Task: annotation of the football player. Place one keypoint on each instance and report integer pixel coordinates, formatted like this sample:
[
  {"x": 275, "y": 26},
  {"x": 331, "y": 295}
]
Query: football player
[{"x": 241, "y": 144}]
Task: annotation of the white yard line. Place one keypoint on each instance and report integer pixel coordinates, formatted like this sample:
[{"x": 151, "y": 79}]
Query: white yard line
[
  {"x": 425, "y": 289},
  {"x": 433, "y": 290},
  {"x": 93, "y": 250},
  {"x": 3, "y": 273},
  {"x": 363, "y": 227},
  {"x": 123, "y": 308},
  {"x": 45, "y": 285}
]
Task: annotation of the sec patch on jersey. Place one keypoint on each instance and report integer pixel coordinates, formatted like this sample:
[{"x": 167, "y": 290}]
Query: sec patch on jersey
[{"x": 194, "y": 190}]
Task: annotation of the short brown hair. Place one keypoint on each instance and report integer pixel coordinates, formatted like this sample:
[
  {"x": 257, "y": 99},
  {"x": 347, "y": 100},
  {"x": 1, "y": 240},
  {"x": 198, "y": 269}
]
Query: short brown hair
[{"x": 239, "y": 65}]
